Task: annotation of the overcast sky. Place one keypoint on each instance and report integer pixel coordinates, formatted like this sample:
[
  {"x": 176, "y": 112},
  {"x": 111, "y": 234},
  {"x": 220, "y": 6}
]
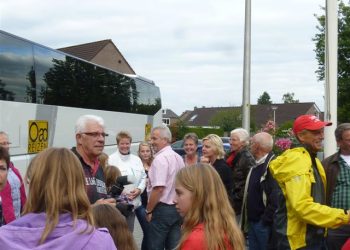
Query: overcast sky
[{"x": 191, "y": 49}]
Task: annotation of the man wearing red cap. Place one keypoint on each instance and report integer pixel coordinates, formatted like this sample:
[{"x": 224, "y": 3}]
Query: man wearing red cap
[{"x": 302, "y": 216}]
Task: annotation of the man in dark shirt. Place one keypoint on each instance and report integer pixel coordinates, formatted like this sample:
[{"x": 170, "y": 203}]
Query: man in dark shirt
[
  {"x": 90, "y": 139},
  {"x": 260, "y": 194},
  {"x": 337, "y": 168}
]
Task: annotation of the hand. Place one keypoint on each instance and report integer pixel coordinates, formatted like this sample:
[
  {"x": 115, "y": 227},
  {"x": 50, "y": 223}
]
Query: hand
[
  {"x": 148, "y": 217},
  {"x": 204, "y": 160},
  {"x": 134, "y": 193},
  {"x": 109, "y": 201}
]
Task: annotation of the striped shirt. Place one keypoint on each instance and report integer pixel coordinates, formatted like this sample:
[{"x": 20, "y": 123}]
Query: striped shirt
[{"x": 341, "y": 195}]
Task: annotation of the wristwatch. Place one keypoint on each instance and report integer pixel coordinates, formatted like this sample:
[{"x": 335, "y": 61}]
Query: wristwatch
[{"x": 148, "y": 212}]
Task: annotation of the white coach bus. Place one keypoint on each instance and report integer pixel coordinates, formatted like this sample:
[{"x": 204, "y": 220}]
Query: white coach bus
[{"x": 43, "y": 91}]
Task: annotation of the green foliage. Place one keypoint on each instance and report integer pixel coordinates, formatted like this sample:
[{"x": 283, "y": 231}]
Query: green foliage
[
  {"x": 264, "y": 98},
  {"x": 289, "y": 98},
  {"x": 284, "y": 129},
  {"x": 343, "y": 58},
  {"x": 202, "y": 132},
  {"x": 227, "y": 120},
  {"x": 179, "y": 129}
]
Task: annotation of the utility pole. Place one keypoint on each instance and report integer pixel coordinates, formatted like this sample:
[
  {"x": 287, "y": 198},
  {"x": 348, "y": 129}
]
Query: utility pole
[
  {"x": 331, "y": 62},
  {"x": 246, "y": 67}
]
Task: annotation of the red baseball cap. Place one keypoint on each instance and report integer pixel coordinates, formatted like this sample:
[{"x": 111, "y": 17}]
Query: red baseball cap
[{"x": 308, "y": 122}]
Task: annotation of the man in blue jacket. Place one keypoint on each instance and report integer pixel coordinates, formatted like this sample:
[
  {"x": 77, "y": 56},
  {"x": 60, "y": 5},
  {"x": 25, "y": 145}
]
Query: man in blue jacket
[{"x": 260, "y": 196}]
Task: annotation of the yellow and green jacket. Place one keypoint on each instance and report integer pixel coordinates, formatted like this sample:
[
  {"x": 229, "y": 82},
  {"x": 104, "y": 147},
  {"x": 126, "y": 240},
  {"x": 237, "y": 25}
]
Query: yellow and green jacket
[{"x": 298, "y": 216}]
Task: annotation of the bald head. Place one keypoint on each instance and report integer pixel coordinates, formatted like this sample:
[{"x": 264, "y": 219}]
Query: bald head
[{"x": 263, "y": 143}]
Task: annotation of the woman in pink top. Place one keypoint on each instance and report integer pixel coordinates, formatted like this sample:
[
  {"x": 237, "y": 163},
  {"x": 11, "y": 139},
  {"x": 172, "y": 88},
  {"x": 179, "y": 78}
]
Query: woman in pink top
[{"x": 208, "y": 218}]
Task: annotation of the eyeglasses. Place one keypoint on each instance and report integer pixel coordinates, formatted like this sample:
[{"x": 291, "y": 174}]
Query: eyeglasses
[
  {"x": 5, "y": 143},
  {"x": 95, "y": 134}
]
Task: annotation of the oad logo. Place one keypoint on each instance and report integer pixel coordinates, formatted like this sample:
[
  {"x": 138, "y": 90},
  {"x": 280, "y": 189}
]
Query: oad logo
[{"x": 38, "y": 135}]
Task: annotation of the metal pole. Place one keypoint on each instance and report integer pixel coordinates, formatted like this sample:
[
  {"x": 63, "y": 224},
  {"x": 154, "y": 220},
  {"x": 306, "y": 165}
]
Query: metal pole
[
  {"x": 274, "y": 108},
  {"x": 331, "y": 73},
  {"x": 246, "y": 67}
]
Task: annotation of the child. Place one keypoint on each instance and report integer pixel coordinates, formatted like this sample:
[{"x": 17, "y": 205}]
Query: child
[
  {"x": 208, "y": 218},
  {"x": 109, "y": 217},
  {"x": 57, "y": 214}
]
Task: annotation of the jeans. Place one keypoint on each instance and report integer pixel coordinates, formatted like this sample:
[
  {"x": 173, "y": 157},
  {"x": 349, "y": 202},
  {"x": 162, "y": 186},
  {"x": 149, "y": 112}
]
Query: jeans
[
  {"x": 317, "y": 246},
  {"x": 131, "y": 221},
  {"x": 258, "y": 235},
  {"x": 164, "y": 228},
  {"x": 141, "y": 216},
  {"x": 336, "y": 238}
]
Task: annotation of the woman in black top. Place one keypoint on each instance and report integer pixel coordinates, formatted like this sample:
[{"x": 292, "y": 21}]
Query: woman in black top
[{"x": 213, "y": 153}]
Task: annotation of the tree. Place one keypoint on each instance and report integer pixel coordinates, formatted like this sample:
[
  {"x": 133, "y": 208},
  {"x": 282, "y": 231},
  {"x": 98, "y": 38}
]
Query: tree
[
  {"x": 343, "y": 58},
  {"x": 289, "y": 98},
  {"x": 227, "y": 119},
  {"x": 264, "y": 98}
]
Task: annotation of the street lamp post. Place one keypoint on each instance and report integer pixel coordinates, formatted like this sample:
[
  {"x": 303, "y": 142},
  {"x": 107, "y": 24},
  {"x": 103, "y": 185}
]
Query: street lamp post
[{"x": 274, "y": 108}]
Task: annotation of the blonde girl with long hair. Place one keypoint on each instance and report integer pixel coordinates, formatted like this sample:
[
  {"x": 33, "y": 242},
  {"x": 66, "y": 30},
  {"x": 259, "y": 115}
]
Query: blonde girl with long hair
[
  {"x": 208, "y": 219},
  {"x": 146, "y": 155},
  {"x": 58, "y": 213}
]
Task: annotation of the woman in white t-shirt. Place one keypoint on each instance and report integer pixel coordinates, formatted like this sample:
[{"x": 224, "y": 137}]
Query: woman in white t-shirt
[{"x": 130, "y": 165}]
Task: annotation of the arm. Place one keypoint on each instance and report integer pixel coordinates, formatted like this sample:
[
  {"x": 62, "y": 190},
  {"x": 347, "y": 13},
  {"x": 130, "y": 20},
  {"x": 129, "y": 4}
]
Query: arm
[
  {"x": 22, "y": 188},
  {"x": 246, "y": 162},
  {"x": 225, "y": 174},
  {"x": 109, "y": 201},
  {"x": 309, "y": 211},
  {"x": 272, "y": 198},
  {"x": 153, "y": 200},
  {"x": 8, "y": 210},
  {"x": 142, "y": 182}
]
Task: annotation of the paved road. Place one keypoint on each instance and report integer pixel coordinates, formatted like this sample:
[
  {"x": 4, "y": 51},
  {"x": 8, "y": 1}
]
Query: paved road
[{"x": 138, "y": 235}]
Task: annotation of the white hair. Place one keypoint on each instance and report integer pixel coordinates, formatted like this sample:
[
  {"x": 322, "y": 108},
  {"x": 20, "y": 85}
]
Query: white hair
[
  {"x": 164, "y": 132},
  {"x": 83, "y": 120},
  {"x": 4, "y": 133},
  {"x": 242, "y": 134},
  {"x": 264, "y": 140}
]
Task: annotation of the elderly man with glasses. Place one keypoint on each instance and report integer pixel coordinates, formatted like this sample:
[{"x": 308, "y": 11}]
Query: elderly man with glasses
[{"x": 90, "y": 139}]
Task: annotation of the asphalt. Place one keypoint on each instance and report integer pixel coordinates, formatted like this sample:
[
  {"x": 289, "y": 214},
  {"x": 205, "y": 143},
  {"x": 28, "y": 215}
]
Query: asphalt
[{"x": 138, "y": 235}]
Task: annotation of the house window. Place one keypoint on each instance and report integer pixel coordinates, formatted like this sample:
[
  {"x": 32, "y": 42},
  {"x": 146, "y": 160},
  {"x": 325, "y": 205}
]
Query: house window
[
  {"x": 166, "y": 121},
  {"x": 193, "y": 117},
  {"x": 164, "y": 111}
]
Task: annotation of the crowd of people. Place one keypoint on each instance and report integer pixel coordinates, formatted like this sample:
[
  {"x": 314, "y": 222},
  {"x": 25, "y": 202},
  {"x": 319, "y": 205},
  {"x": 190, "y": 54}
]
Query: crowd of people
[{"x": 248, "y": 198}]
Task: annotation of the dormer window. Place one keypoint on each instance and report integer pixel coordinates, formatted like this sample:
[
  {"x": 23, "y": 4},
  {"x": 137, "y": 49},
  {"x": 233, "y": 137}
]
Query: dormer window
[{"x": 193, "y": 117}]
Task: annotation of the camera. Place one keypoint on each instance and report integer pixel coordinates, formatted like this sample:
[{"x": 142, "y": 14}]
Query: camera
[
  {"x": 118, "y": 187},
  {"x": 116, "y": 192}
]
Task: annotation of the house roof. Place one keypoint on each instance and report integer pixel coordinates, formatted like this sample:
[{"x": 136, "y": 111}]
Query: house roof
[
  {"x": 168, "y": 113},
  {"x": 259, "y": 113},
  {"x": 185, "y": 115},
  {"x": 86, "y": 51},
  {"x": 283, "y": 111}
]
